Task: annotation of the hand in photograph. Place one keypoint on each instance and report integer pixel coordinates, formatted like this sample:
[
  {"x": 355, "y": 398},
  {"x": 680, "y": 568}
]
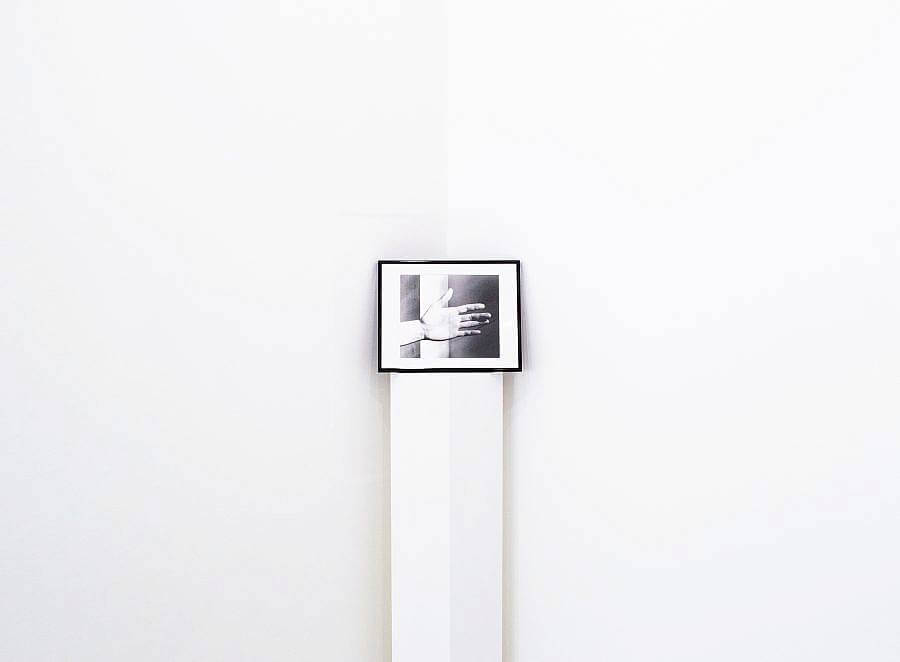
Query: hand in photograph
[{"x": 440, "y": 322}]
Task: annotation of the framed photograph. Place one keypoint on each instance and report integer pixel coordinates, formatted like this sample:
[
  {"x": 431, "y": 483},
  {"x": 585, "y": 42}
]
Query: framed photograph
[{"x": 449, "y": 316}]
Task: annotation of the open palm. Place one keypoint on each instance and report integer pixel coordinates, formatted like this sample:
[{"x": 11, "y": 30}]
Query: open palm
[{"x": 444, "y": 323}]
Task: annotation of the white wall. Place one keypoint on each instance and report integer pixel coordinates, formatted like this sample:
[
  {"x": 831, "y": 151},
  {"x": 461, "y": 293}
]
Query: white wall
[
  {"x": 193, "y": 453},
  {"x": 703, "y": 450}
]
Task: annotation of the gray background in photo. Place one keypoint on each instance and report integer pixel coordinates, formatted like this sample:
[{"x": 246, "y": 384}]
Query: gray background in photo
[
  {"x": 409, "y": 310},
  {"x": 477, "y": 289}
]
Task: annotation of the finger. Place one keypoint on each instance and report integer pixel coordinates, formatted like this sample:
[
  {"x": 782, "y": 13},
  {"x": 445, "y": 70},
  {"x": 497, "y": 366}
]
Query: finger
[
  {"x": 474, "y": 316},
  {"x": 444, "y": 299},
  {"x": 468, "y": 325},
  {"x": 470, "y": 333},
  {"x": 469, "y": 306}
]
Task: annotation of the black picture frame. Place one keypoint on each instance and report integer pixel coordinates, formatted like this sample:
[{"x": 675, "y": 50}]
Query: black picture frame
[{"x": 517, "y": 368}]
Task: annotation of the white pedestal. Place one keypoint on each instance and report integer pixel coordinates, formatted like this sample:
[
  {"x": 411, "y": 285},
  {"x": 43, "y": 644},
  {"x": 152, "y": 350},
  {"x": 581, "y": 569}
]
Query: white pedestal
[{"x": 446, "y": 517}]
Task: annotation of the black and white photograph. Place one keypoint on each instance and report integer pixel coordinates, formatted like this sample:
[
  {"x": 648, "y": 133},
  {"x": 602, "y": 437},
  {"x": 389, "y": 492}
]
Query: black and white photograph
[{"x": 449, "y": 316}]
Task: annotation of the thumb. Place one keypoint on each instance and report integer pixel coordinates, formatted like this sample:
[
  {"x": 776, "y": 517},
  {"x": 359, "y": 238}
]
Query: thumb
[{"x": 446, "y": 298}]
